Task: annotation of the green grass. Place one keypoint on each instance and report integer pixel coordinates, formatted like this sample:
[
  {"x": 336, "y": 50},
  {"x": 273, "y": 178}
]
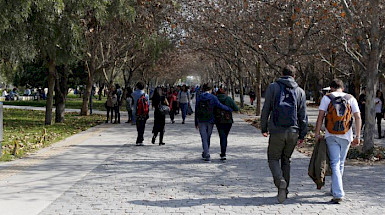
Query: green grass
[
  {"x": 72, "y": 102},
  {"x": 24, "y": 131}
]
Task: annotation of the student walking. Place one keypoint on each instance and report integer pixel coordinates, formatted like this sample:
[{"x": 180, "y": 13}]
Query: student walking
[
  {"x": 184, "y": 101},
  {"x": 379, "y": 102},
  {"x": 159, "y": 100},
  {"x": 173, "y": 102},
  {"x": 119, "y": 93},
  {"x": 140, "y": 111},
  {"x": 129, "y": 104},
  {"x": 205, "y": 119},
  {"x": 285, "y": 105},
  {"x": 224, "y": 120},
  {"x": 111, "y": 102},
  {"x": 252, "y": 96},
  {"x": 338, "y": 108}
]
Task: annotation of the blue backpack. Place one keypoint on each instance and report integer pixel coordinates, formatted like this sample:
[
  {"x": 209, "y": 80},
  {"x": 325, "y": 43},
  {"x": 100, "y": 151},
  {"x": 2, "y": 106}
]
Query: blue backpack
[{"x": 285, "y": 107}]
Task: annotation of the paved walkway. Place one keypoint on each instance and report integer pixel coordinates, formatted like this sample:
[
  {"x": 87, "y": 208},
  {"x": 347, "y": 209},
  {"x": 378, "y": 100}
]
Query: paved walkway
[{"x": 101, "y": 171}]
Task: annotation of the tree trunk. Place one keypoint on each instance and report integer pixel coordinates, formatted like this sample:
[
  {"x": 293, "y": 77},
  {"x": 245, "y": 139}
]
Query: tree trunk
[
  {"x": 86, "y": 97},
  {"x": 258, "y": 86},
  {"x": 61, "y": 91},
  {"x": 372, "y": 78},
  {"x": 240, "y": 79},
  {"x": 51, "y": 85}
]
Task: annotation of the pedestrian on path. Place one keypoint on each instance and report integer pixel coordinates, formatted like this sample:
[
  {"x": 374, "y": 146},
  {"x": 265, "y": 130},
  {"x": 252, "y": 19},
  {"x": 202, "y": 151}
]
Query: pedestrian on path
[
  {"x": 159, "y": 100},
  {"x": 111, "y": 102},
  {"x": 338, "y": 108},
  {"x": 129, "y": 104},
  {"x": 184, "y": 101},
  {"x": 140, "y": 111},
  {"x": 224, "y": 120},
  {"x": 204, "y": 117},
  {"x": 173, "y": 101},
  {"x": 119, "y": 94},
  {"x": 252, "y": 96},
  {"x": 379, "y": 102},
  {"x": 361, "y": 104},
  {"x": 285, "y": 104}
]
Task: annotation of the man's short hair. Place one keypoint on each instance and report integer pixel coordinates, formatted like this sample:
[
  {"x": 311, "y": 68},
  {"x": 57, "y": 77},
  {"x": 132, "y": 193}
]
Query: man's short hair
[
  {"x": 337, "y": 84},
  {"x": 289, "y": 70},
  {"x": 207, "y": 87},
  {"x": 140, "y": 85}
]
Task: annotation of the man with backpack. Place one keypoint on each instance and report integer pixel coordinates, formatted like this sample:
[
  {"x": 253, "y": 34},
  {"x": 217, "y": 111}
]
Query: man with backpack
[
  {"x": 140, "y": 111},
  {"x": 285, "y": 104},
  {"x": 205, "y": 118},
  {"x": 338, "y": 108}
]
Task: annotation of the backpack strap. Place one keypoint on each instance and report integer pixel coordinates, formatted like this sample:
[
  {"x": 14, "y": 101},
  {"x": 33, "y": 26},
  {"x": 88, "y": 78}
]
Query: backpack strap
[{"x": 348, "y": 97}]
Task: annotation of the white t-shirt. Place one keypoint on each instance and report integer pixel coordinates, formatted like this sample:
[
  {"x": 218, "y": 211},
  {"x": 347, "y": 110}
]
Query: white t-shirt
[
  {"x": 355, "y": 109},
  {"x": 378, "y": 105}
]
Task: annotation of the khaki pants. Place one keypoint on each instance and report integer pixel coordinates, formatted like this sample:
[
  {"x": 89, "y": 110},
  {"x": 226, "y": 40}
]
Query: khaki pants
[{"x": 281, "y": 147}]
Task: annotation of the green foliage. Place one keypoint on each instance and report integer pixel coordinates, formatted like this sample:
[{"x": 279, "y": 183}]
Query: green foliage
[{"x": 24, "y": 131}]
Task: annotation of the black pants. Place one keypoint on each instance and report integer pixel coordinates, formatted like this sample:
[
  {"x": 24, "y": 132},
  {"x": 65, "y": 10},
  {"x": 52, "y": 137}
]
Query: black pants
[
  {"x": 172, "y": 114},
  {"x": 379, "y": 118},
  {"x": 279, "y": 151},
  {"x": 223, "y": 130},
  {"x": 117, "y": 114},
  {"x": 140, "y": 127},
  {"x": 129, "y": 115},
  {"x": 110, "y": 109}
]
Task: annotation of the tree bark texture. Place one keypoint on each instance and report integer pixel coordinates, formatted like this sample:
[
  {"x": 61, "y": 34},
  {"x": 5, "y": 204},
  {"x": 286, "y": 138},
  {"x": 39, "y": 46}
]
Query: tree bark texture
[
  {"x": 258, "y": 88},
  {"x": 86, "y": 96},
  {"x": 372, "y": 78},
  {"x": 51, "y": 85},
  {"x": 61, "y": 91}
]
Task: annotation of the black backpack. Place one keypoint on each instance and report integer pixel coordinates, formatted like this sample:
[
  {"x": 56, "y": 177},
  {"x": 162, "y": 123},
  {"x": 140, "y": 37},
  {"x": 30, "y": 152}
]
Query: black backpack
[
  {"x": 285, "y": 107},
  {"x": 204, "y": 111}
]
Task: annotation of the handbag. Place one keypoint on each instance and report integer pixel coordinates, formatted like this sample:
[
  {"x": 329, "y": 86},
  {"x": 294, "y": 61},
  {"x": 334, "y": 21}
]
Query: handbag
[{"x": 164, "y": 109}]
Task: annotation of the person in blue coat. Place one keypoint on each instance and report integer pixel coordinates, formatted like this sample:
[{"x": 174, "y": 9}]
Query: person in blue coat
[{"x": 205, "y": 118}]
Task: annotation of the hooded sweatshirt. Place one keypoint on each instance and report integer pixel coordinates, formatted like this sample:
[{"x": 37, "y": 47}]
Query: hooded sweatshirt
[
  {"x": 271, "y": 94},
  {"x": 213, "y": 102}
]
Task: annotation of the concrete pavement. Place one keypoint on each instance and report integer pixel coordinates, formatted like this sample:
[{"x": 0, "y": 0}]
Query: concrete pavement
[{"x": 101, "y": 171}]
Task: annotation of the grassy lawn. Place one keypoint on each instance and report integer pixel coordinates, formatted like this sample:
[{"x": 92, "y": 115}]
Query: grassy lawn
[
  {"x": 73, "y": 102},
  {"x": 24, "y": 131}
]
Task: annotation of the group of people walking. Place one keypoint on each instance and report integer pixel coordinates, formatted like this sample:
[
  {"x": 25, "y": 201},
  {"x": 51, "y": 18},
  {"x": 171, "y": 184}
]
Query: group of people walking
[{"x": 284, "y": 120}]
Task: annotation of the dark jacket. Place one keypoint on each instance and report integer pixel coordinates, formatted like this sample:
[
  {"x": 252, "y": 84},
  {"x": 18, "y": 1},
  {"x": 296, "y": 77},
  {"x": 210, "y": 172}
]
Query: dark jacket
[
  {"x": 319, "y": 165},
  {"x": 271, "y": 94},
  {"x": 213, "y": 102},
  {"x": 226, "y": 100}
]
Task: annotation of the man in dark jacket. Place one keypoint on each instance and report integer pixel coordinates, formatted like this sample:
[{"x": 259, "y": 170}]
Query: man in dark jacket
[
  {"x": 204, "y": 117},
  {"x": 285, "y": 104}
]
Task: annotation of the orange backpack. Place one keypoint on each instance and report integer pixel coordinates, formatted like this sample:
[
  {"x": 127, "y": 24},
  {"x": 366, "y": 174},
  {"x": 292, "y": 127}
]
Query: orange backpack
[{"x": 339, "y": 114}]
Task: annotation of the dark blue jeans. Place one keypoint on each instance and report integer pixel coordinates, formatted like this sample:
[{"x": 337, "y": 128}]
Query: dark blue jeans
[
  {"x": 223, "y": 130},
  {"x": 184, "y": 108},
  {"x": 140, "y": 127}
]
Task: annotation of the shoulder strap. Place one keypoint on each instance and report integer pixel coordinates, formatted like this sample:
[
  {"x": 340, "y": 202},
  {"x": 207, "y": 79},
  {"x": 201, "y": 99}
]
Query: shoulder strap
[{"x": 348, "y": 97}]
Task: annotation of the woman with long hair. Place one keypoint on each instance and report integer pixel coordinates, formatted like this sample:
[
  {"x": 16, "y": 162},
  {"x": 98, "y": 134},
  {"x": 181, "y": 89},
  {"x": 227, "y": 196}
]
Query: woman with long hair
[{"x": 158, "y": 99}]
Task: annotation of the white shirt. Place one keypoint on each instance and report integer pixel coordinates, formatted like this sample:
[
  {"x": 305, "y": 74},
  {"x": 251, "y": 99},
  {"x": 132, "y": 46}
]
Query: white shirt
[
  {"x": 355, "y": 109},
  {"x": 378, "y": 105}
]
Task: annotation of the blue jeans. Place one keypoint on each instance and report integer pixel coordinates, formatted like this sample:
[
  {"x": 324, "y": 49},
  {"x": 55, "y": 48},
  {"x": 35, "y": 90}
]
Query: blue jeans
[
  {"x": 206, "y": 129},
  {"x": 338, "y": 149},
  {"x": 223, "y": 130},
  {"x": 184, "y": 107}
]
